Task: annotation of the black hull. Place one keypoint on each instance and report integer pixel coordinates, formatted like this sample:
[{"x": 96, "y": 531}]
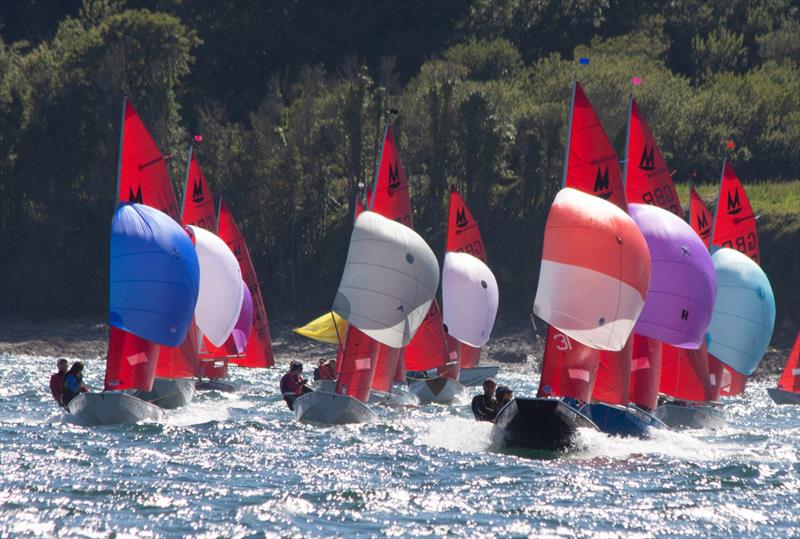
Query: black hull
[
  {"x": 538, "y": 424},
  {"x": 215, "y": 385},
  {"x": 781, "y": 396}
]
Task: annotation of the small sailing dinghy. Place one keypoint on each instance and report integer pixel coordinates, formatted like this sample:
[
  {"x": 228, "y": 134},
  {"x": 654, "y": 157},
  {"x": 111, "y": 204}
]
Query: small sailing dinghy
[
  {"x": 154, "y": 282},
  {"x": 463, "y": 236},
  {"x": 788, "y": 390},
  {"x": 389, "y": 281}
]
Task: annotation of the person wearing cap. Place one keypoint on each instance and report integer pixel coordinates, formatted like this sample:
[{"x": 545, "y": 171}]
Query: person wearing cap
[
  {"x": 293, "y": 385},
  {"x": 57, "y": 380},
  {"x": 484, "y": 407},
  {"x": 503, "y": 395}
]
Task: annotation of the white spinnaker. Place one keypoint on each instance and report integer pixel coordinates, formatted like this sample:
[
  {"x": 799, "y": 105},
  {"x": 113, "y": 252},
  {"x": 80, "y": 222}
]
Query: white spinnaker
[
  {"x": 389, "y": 280},
  {"x": 221, "y": 294},
  {"x": 469, "y": 297}
]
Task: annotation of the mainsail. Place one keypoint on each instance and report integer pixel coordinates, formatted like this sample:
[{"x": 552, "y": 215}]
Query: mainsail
[
  {"x": 130, "y": 362},
  {"x": 734, "y": 220},
  {"x": 258, "y": 353},
  {"x": 790, "y": 377},
  {"x": 685, "y": 374},
  {"x": 569, "y": 368},
  {"x": 700, "y": 217}
]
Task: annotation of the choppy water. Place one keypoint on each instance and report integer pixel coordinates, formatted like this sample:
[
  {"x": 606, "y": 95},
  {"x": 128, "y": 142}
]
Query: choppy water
[{"x": 239, "y": 465}]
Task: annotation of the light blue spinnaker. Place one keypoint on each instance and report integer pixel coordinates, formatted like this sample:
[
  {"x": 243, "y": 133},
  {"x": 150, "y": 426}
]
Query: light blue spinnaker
[
  {"x": 154, "y": 275},
  {"x": 744, "y": 313}
]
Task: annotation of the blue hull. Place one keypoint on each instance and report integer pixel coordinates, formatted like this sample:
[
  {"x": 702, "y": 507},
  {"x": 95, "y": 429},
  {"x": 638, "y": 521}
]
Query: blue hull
[{"x": 622, "y": 420}]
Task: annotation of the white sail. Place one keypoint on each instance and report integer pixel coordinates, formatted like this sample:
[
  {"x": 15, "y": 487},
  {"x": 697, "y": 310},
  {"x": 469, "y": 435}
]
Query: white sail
[
  {"x": 470, "y": 298},
  {"x": 744, "y": 313},
  {"x": 389, "y": 280},
  {"x": 221, "y": 294}
]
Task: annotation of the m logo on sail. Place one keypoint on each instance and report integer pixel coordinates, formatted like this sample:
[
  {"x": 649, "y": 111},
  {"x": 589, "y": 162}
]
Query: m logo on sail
[
  {"x": 734, "y": 205},
  {"x": 197, "y": 192},
  {"x": 461, "y": 218},
  {"x": 647, "y": 162},
  {"x": 702, "y": 224},
  {"x": 137, "y": 197},
  {"x": 601, "y": 184},
  {"x": 394, "y": 177}
]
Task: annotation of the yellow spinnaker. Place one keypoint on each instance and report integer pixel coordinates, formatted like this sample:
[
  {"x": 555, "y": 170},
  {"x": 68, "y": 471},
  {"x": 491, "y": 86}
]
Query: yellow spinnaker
[{"x": 325, "y": 328}]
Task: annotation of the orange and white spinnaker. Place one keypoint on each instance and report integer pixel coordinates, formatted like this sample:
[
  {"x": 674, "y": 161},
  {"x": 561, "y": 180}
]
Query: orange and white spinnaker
[{"x": 595, "y": 271}]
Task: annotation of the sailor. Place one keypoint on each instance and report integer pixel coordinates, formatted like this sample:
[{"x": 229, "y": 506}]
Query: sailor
[
  {"x": 57, "y": 380},
  {"x": 503, "y": 395},
  {"x": 328, "y": 371},
  {"x": 484, "y": 407},
  {"x": 320, "y": 370},
  {"x": 293, "y": 385},
  {"x": 73, "y": 383}
]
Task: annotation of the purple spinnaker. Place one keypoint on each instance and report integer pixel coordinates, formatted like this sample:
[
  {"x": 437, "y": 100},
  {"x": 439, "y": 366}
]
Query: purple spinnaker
[
  {"x": 241, "y": 331},
  {"x": 678, "y": 307}
]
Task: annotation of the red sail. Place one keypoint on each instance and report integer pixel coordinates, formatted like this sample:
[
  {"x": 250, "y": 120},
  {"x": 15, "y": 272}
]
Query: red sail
[
  {"x": 685, "y": 374},
  {"x": 198, "y": 202},
  {"x": 390, "y": 194},
  {"x": 568, "y": 369},
  {"x": 731, "y": 383},
  {"x": 462, "y": 230},
  {"x": 259, "y": 344},
  {"x": 386, "y": 367},
  {"x": 428, "y": 348},
  {"x": 612, "y": 384},
  {"x": 143, "y": 175},
  {"x": 647, "y": 178},
  {"x": 592, "y": 165},
  {"x": 645, "y": 372},
  {"x": 734, "y": 220},
  {"x": 131, "y": 361},
  {"x": 790, "y": 378},
  {"x": 182, "y": 361},
  {"x": 357, "y": 365},
  {"x": 700, "y": 217},
  {"x": 466, "y": 355}
]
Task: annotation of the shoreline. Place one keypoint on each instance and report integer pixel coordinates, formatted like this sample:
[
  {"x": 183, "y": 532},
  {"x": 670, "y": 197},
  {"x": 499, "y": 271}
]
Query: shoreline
[{"x": 513, "y": 341}]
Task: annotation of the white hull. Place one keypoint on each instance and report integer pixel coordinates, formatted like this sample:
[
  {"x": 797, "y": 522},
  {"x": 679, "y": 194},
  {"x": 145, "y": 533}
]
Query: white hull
[
  {"x": 691, "y": 416},
  {"x": 476, "y": 375},
  {"x": 169, "y": 393},
  {"x": 398, "y": 397},
  {"x": 112, "y": 408},
  {"x": 439, "y": 390},
  {"x": 325, "y": 408},
  {"x": 328, "y": 386}
]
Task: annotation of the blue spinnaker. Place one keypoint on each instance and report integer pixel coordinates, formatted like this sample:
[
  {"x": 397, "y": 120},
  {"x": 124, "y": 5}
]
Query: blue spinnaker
[
  {"x": 744, "y": 313},
  {"x": 154, "y": 275}
]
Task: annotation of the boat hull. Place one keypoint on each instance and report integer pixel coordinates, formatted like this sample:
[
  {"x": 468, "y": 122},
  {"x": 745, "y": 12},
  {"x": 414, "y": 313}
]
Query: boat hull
[
  {"x": 325, "y": 408},
  {"x": 476, "y": 376},
  {"x": 111, "y": 408},
  {"x": 682, "y": 416},
  {"x": 398, "y": 397},
  {"x": 622, "y": 420},
  {"x": 438, "y": 390},
  {"x": 781, "y": 396},
  {"x": 538, "y": 424},
  {"x": 215, "y": 385},
  {"x": 169, "y": 393}
]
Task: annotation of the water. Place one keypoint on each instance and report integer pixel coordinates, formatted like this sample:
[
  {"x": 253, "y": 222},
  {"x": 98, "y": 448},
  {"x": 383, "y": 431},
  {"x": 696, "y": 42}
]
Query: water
[{"x": 239, "y": 465}]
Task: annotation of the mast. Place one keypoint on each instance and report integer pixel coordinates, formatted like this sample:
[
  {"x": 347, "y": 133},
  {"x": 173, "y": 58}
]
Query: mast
[
  {"x": 186, "y": 183},
  {"x": 569, "y": 132},
  {"x": 378, "y": 164},
  {"x": 624, "y": 162},
  {"x": 121, "y": 141},
  {"x": 719, "y": 201}
]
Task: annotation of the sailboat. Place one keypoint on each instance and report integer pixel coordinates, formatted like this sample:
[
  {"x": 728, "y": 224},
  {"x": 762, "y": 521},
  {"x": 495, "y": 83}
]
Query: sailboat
[
  {"x": 143, "y": 178},
  {"x": 788, "y": 390},
  {"x": 198, "y": 209},
  {"x": 463, "y": 236},
  {"x": 154, "y": 280},
  {"x": 389, "y": 281},
  {"x": 734, "y": 227}
]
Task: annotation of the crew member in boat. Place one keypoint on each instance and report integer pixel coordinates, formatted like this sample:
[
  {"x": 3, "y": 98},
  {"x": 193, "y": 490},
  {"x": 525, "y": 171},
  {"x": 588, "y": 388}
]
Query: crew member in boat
[
  {"x": 321, "y": 370},
  {"x": 73, "y": 383},
  {"x": 503, "y": 395},
  {"x": 57, "y": 380},
  {"x": 484, "y": 407},
  {"x": 330, "y": 370},
  {"x": 293, "y": 385}
]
